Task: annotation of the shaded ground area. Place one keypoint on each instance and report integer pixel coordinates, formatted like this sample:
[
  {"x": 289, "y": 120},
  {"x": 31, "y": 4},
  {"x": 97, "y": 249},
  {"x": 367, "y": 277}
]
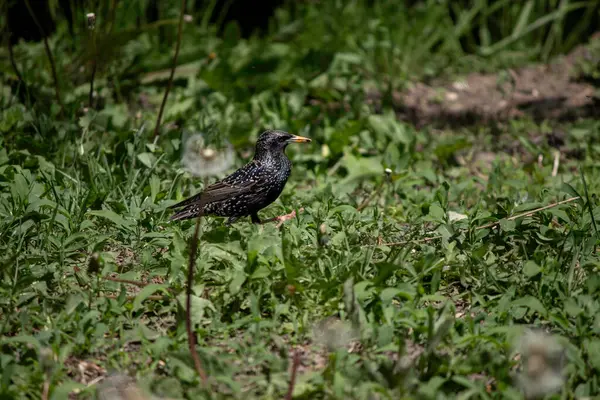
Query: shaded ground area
[{"x": 554, "y": 91}]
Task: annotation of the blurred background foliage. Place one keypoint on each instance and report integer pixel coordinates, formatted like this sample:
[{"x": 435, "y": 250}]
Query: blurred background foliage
[{"x": 235, "y": 54}]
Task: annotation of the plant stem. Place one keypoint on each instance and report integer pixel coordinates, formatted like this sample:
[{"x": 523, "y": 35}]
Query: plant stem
[
  {"x": 170, "y": 82},
  {"x": 295, "y": 365},
  {"x": 49, "y": 54},
  {"x": 188, "y": 305},
  {"x": 11, "y": 56},
  {"x": 94, "y": 64},
  {"x": 112, "y": 13}
]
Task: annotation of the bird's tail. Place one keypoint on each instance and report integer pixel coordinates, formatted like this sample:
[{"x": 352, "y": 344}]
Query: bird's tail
[
  {"x": 186, "y": 213},
  {"x": 187, "y": 202}
]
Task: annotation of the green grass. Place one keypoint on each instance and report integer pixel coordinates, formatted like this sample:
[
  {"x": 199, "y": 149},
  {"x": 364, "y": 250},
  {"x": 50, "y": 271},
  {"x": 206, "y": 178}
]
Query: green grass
[{"x": 434, "y": 271}]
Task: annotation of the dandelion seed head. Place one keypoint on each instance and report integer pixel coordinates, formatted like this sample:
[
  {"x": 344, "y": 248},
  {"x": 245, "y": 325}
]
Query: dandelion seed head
[
  {"x": 202, "y": 160},
  {"x": 47, "y": 359},
  {"x": 91, "y": 20},
  {"x": 208, "y": 154},
  {"x": 334, "y": 333},
  {"x": 121, "y": 387},
  {"x": 542, "y": 357}
]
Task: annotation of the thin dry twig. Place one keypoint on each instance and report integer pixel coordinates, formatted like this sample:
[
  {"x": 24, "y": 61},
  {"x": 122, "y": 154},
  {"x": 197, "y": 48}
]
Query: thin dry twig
[
  {"x": 489, "y": 225},
  {"x": 128, "y": 281},
  {"x": 295, "y": 365},
  {"x": 170, "y": 82},
  {"x": 188, "y": 305},
  {"x": 49, "y": 54},
  {"x": 529, "y": 213}
]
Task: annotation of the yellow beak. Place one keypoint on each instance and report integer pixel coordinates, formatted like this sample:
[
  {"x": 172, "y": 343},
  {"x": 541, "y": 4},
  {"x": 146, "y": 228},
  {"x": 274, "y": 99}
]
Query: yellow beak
[{"x": 299, "y": 139}]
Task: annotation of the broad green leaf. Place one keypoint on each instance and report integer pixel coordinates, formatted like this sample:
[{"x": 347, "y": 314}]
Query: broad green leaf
[
  {"x": 25, "y": 339},
  {"x": 112, "y": 217},
  {"x": 572, "y": 308},
  {"x": 146, "y": 292},
  {"x": 148, "y": 159},
  {"x": 257, "y": 245},
  {"x": 20, "y": 188},
  {"x": 261, "y": 272},
  {"x": 3, "y": 156},
  {"x": 572, "y": 192},
  {"x": 65, "y": 389},
  {"x": 507, "y": 225},
  {"x": 154, "y": 187},
  {"x": 363, "y": 290},
  {"x": 532, "y": 303},
  {"x": 593, "y": 350},
  {"x": 531, "y": 269},
  {"x": 436, "y": 213},
  {"x": 236, "y": 283},
  {"x": 199, "y": 307}
]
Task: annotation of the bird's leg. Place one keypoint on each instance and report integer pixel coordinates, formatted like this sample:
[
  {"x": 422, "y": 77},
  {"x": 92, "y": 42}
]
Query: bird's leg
[
  {"x": 231, "y": 220},
  {"x": 255, "y": 219},
  {"x": 282, "y": 218}
]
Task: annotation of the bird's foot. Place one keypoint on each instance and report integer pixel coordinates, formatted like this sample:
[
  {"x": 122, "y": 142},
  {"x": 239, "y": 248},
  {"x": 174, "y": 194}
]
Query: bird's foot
[{"x": 282, "y": 218}]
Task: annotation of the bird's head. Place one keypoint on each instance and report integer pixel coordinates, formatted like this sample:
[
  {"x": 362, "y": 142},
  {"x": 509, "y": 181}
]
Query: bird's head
[{"x": 270, "y": 141}]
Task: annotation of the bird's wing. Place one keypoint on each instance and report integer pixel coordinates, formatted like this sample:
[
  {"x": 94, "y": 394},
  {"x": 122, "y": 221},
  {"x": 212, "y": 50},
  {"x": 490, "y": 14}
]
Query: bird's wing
[
  {"x": 239, "y": 182},
  {"x": 216, "y": 192}
]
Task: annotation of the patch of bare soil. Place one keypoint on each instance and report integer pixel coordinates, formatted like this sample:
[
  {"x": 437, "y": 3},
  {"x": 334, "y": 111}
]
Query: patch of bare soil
[{"x": 551, "y": 91}]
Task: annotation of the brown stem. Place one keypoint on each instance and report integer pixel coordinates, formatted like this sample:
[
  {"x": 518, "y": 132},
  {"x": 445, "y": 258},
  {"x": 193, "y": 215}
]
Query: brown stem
[
  {"x": 11, "y": 56},
  {"x": 170, "y": 83},
  {"x": 295, "y": 365},
  {"x": 188, "y": 304},
  {"x": 366, "y": 202},
  {"x": 46, "y": 389},
  {"x": 112, "y": 13},
  {"x": 49, "y": 54}
]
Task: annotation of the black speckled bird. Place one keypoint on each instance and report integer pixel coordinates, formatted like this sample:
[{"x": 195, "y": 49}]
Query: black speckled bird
[{"x": 250, "y": 188}]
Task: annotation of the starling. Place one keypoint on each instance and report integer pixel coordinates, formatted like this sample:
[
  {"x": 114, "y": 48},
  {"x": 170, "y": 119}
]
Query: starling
[{"x": 250, "y": 188}]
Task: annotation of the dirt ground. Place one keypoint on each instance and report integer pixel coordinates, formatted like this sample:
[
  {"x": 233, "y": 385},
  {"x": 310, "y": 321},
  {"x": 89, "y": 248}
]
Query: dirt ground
[{"x": 545, "y": 91}]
